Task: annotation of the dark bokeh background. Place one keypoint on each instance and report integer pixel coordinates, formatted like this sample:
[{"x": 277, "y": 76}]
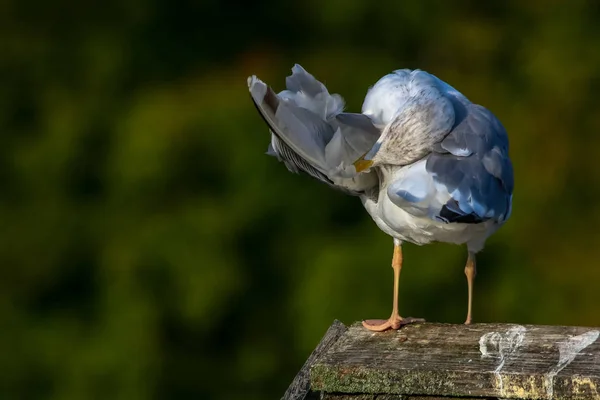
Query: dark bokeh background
[{"x": 148, "y": 247}]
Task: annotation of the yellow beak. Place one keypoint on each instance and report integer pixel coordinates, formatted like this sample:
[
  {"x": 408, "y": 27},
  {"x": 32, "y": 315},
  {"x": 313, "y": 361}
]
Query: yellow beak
[{"x": 361, "y": 164}]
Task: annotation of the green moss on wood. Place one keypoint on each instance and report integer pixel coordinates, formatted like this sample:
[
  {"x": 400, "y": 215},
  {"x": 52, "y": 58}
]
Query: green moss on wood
[{"x": 371, "y": 380}]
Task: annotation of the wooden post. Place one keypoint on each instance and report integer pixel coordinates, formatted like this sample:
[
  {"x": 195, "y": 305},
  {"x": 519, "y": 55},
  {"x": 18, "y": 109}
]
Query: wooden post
[
  {"x": 427, "y": 361},
  {"x": 300, "y": 387}
]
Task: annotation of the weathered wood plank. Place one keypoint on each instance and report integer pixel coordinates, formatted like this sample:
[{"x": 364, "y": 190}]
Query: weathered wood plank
[
  {"x": 338, "y": 396},
  {"x": 480, "y": 360},
  {"x": 300, "y": 387},
  {"x": 341, "y": 396}
]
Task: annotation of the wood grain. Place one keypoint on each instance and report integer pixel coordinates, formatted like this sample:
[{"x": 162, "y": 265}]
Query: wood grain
[{"x": 480, "y": 360}]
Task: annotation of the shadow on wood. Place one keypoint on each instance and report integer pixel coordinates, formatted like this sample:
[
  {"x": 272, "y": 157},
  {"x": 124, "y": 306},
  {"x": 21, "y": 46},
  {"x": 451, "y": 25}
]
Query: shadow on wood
[{"x": 427, "y": 361}]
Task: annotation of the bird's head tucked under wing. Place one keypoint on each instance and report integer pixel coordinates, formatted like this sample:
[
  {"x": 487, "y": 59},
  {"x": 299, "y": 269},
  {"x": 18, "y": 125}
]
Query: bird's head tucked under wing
[{"x": 423, "y": 116}]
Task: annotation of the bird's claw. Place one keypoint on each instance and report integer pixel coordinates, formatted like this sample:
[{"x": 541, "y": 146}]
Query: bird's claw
[{"x": 380, "y": 325}]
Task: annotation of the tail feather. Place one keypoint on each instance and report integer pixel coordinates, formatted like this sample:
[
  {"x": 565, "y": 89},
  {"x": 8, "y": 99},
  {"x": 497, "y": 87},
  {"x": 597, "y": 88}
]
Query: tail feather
[
  {"x": 294, "y": 163},
  {"x": 300, "y": 129},
  {"x": 302, "y": 81},
  {"x": 307, "y": 92},
  {"x": 311, "y": 134}
]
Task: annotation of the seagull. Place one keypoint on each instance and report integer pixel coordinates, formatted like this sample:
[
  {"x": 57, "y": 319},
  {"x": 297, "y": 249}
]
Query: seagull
[{"x": 427, "y": 164}]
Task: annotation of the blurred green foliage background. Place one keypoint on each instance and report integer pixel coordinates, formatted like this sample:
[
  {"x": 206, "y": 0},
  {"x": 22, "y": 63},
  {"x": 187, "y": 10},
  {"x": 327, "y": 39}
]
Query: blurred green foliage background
[{"x": 151, "y": 250}]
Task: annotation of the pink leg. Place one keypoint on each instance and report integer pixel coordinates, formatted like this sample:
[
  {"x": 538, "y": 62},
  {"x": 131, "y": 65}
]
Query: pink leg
[{"x": 395, "y": 321}]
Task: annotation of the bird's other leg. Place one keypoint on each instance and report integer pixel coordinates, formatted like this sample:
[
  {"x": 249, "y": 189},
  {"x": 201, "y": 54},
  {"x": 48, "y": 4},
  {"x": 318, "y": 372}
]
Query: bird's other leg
[
  {"x": 395, "y": 321},
  {"x": 470, "y": 272}
]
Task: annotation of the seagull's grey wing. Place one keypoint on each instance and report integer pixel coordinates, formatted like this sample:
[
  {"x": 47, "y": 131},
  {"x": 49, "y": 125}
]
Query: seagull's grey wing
[
  {"x": 355, "y": 135},
  {"x": 468, "y": 179},
  {"x": 311, "y": 134},
  {"x": 298, "y": 136},
  {"x": 472, "y": 163}
]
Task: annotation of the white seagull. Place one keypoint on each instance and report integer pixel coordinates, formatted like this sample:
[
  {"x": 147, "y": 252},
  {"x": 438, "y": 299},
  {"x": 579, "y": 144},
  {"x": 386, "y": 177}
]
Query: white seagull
[{"x": 427, "y": 164}]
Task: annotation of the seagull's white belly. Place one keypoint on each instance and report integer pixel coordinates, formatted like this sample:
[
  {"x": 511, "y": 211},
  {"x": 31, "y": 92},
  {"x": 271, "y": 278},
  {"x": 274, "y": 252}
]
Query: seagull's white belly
[
  {"x": 423, "y": 230},
  {"x": 404, "y": 226}
]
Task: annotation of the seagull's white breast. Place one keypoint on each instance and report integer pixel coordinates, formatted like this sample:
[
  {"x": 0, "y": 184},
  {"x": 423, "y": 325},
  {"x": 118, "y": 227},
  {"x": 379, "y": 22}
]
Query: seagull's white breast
[{"x": 402, "y": 225}]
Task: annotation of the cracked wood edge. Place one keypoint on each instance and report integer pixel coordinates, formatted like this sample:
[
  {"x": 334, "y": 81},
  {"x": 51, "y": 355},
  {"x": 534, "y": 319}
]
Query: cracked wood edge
[{"x": 299, "y": 389}]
